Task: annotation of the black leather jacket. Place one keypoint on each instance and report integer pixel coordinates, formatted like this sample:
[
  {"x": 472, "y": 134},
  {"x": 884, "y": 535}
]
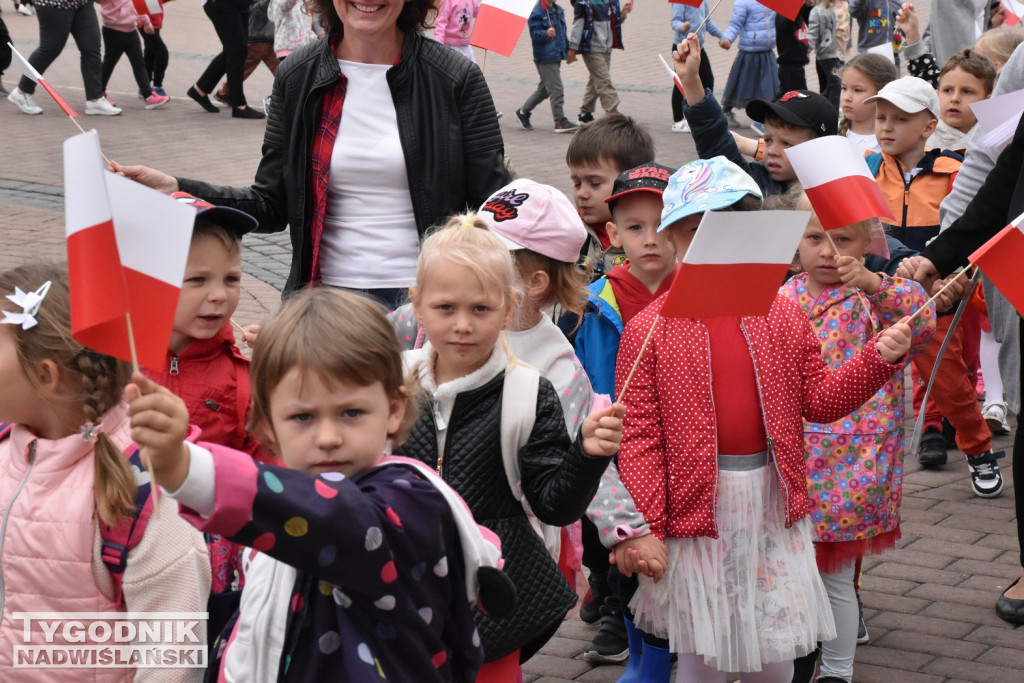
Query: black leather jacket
[{"x": 446, "y": 123}]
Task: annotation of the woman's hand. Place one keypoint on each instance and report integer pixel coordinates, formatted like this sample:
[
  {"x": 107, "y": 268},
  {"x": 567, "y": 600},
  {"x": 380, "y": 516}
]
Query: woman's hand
[
  {"x": 894, "y": 343},
  {"x": 908, "y": 22},
  {"x": 852, "y": 273},
  {"x": 159, "y": 422},
  {"x": 150, "y": 177},
  {"x": 602, "y": 431},
  {"x": 920, "y": 269}
]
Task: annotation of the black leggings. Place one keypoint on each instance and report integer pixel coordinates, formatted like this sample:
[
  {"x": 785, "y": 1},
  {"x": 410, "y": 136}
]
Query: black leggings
[
  {"x": 231, "y": 21},
  {"x": 157, "y": 57},
  {"x": 117, "y": 43},
  {"x": 707, "y": 79},
  {"x": 1018, "y": 468}
]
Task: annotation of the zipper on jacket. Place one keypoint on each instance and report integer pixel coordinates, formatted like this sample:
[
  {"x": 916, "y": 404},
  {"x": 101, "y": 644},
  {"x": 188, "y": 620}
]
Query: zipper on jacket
[
  {"x": 212, "y": 405},
  {"x": 714, "y": 489},
  {"x": 7, "y": 514},
  {"x": 174, "y": 365},
  {"x": 767, "y": 434}
]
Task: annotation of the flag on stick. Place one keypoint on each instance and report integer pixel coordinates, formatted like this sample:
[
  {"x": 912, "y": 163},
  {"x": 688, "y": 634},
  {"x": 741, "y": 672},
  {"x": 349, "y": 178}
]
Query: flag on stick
[
  {"x": 691, "y": 3},
  {"x": 1000, "y": 259},
  {"x": 30, "y": 72},
  {"x": 735, "y": 264},
  {"x": 1013, "y": 12},
  {"x": 838, "y": 182},
  {"x": 147, "y": 7},
  {"x": 499, "y": 24}
]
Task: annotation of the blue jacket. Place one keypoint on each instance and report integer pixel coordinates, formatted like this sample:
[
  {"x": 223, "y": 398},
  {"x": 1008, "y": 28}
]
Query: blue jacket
[
  {"x": 754, "y": 24},
  {"x": 596, "y": 26},
  {"x": 547, "y": 49},
  {"x": 694, "y": 15},
  {"x": 597, "y": 340}
]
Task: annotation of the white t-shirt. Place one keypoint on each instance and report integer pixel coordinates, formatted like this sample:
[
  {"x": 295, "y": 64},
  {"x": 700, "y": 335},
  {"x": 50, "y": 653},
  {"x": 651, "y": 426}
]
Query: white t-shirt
[
  {"x": 370, "y": 239},
  {"x": 864, "y": 143}
]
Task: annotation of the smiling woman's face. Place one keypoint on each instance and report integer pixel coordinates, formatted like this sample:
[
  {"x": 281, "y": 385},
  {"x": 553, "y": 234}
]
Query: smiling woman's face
[{"x": 369, "y": 17}]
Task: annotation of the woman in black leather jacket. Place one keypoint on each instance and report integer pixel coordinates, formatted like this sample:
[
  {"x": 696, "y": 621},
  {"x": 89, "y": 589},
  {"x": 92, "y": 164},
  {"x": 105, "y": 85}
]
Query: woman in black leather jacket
[{"x": 359, "y": 181}]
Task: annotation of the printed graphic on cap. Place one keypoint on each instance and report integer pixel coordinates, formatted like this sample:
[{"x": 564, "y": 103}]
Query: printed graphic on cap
[
  {"x": 505, "y": 205},
  {"x": 655, "y": 172},
  {"x": 791, "y": 94}
]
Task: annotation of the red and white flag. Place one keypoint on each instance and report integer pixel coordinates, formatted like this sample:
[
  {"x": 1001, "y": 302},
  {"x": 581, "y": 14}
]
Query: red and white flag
[
  {"x": 1000, "y": 259},
  {"x": 691, "y": 3},
  {"x": 30, "y": 72},
  {"x": 735, "y": 264},
  {"x": 499, "y": 24},
  {"x": 127, "y": 249},
  {"x": 1014, "y": 10},
  {"x": 787, "y": 8},
  {"x": 147, "y": 7},
  {"x": 838, "y": 182}
]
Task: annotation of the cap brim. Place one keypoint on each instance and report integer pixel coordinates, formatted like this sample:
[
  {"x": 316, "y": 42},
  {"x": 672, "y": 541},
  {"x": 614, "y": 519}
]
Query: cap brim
[
  {"x": 758, "y": 109},
  {"x": 616, "y": 197},
  {"x": 238, "y": 222},
  {"x": 509, "y": 244},
  {"x": 725, "y": 200}
]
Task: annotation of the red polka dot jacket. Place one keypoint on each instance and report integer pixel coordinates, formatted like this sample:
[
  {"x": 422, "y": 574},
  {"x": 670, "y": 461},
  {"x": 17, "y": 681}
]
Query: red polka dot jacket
[{"x": 668, "y": 457}]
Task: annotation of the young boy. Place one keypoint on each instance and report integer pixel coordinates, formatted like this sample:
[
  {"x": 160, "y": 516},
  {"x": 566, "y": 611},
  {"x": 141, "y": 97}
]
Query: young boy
[
  {"x": 597, "y": 154},
  {"x": 635, "y": 206},
  {"x": 207, "y": 370},
  {"x": 797, "y": 116},
  {"x": 596, "y": 31},
  {"x": 914, "y": 183},
  {"x": 547, "y": 31}
]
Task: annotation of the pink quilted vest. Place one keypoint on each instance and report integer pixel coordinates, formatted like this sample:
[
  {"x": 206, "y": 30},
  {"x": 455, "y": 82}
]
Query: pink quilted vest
[{"x": 47, "y": 547}]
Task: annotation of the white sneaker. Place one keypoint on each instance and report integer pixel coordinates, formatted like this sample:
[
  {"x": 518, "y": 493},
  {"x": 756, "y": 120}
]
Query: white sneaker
[
  {"x": 995, "y": 417},
  {"x": 101, "y": 107},
  {"x": 24, "y": 102},
  {"x": 25, "y": 9},
  {"x": 681, "y": 127}
]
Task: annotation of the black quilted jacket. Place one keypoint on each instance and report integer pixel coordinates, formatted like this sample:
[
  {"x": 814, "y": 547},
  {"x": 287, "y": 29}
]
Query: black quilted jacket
[
  {"x": 446, "y": 122},
  {"x": 559, "y": 481}
]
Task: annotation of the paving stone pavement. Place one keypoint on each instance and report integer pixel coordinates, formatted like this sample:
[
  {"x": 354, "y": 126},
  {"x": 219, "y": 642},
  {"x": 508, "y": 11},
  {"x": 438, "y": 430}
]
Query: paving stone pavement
[{"x": 928, "y": 604}]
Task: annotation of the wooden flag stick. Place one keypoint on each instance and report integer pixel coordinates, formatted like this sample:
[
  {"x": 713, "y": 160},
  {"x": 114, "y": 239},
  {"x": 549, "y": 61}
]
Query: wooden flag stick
[
  {"x": 710, "y": 12},
  {"x": 944, "y": 288},
  {"x": 79, "y": 126},
  {"x": 155, "y": 488},
  {"x": 860, "y": 294},
  {"x": 636, "y": 363},
  {"x": 240, "y": 328}
]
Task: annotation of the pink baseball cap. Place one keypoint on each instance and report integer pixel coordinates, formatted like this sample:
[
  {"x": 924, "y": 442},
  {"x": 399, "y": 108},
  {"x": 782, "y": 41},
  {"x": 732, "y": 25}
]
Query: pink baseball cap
[{"x": 529, "y": 215}]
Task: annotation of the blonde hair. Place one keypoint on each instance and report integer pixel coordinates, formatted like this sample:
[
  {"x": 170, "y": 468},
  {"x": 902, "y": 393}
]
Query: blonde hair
[
  {"x": 998, "y": 44},
  {"x": 875, "y": 68},
  {"x": 335, "y": 336},
  {"x": 467, "y": 241},
  {"x": 91, "y": 382}
]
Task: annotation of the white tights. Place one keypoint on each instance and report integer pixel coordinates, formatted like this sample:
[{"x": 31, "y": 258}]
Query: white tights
[
  {"x": 692, "y": 669},
  {"x": 837, "y": 654},
  {"x": 989, "y": 355}
]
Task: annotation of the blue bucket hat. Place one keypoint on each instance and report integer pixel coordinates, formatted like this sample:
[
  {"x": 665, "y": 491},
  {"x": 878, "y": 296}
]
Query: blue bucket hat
[{"x": 705, "y": 185}]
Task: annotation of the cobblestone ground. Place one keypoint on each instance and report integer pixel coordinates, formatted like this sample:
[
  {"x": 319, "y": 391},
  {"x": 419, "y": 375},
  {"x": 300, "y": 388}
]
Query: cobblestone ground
[{"x": 928, "y": 604}]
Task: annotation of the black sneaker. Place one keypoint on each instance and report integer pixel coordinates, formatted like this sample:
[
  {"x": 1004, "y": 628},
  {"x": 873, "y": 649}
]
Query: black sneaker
[
  {"x": 566, "y": 126},
  {"x": 524, "y": 119},
  {"x": 611, "y": 644},
  {"x": 986, "y": 480},
  {"x": 591, "y": 611},
  {"x": 932, "y": 451},
  {"x": 220, "y": 98},
  {"x": 586, "y": 117},
  {"x": 862, "y": 628}
]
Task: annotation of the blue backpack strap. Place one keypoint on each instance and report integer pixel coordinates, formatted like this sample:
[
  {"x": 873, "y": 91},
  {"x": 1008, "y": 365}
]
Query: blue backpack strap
[{"x": 119, "y": 540}]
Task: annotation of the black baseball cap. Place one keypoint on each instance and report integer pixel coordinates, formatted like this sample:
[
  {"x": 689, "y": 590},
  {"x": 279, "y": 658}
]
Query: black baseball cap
[
  {"x": 237, "y": 222},
  {"x": 801, "y": 108},
  {"x": 650, "y": 177}
]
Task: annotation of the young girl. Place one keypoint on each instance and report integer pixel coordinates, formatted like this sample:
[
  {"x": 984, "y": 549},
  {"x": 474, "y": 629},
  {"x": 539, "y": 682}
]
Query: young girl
[
  {"x": 464, "y": 297},
  {"x": 120, "y": 21},
  {"x": 855, "y": 464},
  {"x": 64, "y": 474},
  {"x": 821, "y": 34},
  {"x": 862, "y": 77},
  {"x": 359, "y": 575},
  {"x": 754, "y": 74},
  {"x": 727, "y": 488},
  {"x": 454, "y": 24},
  {"x": 154, "y": 51}
]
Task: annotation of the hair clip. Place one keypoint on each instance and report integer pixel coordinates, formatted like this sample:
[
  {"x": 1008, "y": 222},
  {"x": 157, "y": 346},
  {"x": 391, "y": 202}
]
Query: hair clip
[
  {"x": 90, "y": 432},
  {"x": 29, "y": 302}
]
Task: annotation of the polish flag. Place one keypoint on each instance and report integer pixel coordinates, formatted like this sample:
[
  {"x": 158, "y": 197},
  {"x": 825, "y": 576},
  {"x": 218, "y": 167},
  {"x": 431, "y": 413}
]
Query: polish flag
[
  {"x": 1014, "y": 12},
  {"x": 1000, "y": 259},
  {"x": 735, "y": 264},
  {"x": 147, "y": 7},
  {"x": 787, "y": 8},
  {"x": 127, "y": 248},
  {"x": 691, "y": 3},
  {"x": 499, "y": 24},
  {"x": 30, "y": 72},
  {"x": 838, "y": 182}
]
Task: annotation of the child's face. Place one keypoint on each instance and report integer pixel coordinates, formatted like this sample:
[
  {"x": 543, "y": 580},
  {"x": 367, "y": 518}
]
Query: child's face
[
  {"x": 818, "y": 257},
  {"x": 209, "y": 293},
  {"x": 899, "y": 132},
  {"x": 461, "y": 318},
  {"x": 856, "y": 87},
  {"x": 635, "y": 229},
  {"x": 332, "y": 426},
  {"x": 681, "y": 234},
  {"x": 20, "y": 401},
  {"x": 591, "y": 185},
  {"x": 957, "y": 90},
  {"x": 777, "y": 140}
]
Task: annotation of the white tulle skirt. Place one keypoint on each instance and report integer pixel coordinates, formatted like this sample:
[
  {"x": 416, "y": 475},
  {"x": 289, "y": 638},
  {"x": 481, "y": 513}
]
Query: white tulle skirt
[{"x": 751, "y": 596}]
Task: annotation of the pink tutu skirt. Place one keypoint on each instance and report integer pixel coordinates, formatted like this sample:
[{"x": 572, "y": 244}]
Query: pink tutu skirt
[{"x": 751, "y": 596}]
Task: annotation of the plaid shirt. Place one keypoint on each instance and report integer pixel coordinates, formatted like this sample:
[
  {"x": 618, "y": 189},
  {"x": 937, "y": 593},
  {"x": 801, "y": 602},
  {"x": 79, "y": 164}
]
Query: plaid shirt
[{"x": 320, "y": 163}]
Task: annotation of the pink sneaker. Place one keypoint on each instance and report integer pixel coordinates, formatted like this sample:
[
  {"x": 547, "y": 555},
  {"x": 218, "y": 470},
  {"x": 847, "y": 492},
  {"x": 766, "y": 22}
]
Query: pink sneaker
[{"x": 155, "y": 100}]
